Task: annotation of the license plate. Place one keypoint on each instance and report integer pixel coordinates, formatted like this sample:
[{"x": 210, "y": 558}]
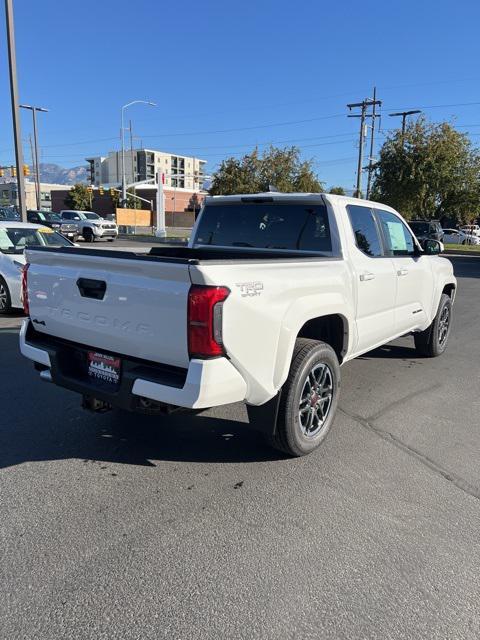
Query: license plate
[{"x": 104, "y": 370}]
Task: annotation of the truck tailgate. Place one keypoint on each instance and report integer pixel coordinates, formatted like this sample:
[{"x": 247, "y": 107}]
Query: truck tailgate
[{"x": 135, "y": 305}]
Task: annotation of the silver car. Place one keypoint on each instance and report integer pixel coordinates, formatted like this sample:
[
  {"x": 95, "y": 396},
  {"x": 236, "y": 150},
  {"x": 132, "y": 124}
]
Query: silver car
[{"x": 14, "y": 238}]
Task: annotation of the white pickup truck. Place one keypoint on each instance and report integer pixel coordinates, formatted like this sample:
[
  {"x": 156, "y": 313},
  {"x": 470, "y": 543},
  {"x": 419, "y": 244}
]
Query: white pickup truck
[{"x": 273, "y": 293}]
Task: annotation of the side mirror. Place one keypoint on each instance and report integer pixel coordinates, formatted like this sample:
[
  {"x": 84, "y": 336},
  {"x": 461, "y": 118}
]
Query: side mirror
[{"x": 432, "y": 247}]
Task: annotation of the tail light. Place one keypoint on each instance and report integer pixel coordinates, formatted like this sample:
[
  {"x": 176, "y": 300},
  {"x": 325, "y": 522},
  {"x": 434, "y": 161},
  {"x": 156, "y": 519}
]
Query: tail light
[
  {"x": 26, "y": 308},
  {"x": 205, "y": 310}
]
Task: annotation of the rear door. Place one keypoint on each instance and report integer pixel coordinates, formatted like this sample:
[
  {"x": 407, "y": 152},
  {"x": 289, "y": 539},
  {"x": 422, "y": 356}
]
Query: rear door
[
  {"x": 414, "y": 286},
  {"x": 130, "y": 305},
  {"x": 375, "y": 280}
]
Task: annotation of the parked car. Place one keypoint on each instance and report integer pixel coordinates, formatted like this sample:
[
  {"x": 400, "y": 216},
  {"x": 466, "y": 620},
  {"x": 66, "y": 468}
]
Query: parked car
[
  {"x": 457, "y": 236},
  {"x": 54, "y": 221},
  {"x": 90, "y": 225},
  {"x": 427, "y": 229},
  {"x": 9, "y": 213},
  {"x": 273, "y": 293},
  {"x": 471, "y": 229},
  {"x": 15, "y": 237}
]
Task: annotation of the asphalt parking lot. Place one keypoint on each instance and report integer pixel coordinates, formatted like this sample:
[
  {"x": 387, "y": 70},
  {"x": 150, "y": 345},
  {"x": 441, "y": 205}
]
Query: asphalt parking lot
[{"x": 191, "y": 527}]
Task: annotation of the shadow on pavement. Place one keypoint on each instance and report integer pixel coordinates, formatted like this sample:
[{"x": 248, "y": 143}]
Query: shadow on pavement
[
  {"x": 399, "y": 352},
  {"x": 39, "y": 421},
  {"x": 465, "y": 266}
]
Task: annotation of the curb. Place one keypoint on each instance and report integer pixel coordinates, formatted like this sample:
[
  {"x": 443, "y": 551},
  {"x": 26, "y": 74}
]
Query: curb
[
  {"x": 154, "y": 239},
  {"x": 459, "y": 252}
]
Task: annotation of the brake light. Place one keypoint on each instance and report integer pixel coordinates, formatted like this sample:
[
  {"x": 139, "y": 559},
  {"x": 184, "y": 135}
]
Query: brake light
[
  {"x": 26, "y": 308},
  {"x": 205, "y": 307}
]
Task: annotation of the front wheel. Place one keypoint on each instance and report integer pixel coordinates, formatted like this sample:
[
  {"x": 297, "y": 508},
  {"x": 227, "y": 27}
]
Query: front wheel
[
  {"x": 88, "y": 235},
  {"x": 5, "y": 299},
  {"x": 433, "y": 341},
  {"x": 309, "y": 398}
]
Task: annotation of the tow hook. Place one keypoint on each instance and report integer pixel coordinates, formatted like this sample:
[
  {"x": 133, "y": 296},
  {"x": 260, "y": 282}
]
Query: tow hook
[
  {"x": 45, "y": 375},
  {"x": 94, "y": 404}
]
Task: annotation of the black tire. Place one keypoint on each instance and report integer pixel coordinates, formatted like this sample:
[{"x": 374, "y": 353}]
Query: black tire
[
  {"x": 433, "y": 341},
  {"x": 5, "y": 299},
  {"x": 292, "y": 435},
  {"x": 88, "y": 235}
]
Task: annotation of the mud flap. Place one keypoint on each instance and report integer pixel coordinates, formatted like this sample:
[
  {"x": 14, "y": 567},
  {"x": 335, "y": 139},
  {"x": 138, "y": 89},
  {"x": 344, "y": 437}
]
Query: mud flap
[{"x": 264, "y": 417}]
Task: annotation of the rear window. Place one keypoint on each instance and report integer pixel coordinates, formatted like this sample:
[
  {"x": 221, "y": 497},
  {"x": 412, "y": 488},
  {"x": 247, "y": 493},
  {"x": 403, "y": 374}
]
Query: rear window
[
  {"x": 294, "y": 227},
  {"x": 420, "y": 228}
]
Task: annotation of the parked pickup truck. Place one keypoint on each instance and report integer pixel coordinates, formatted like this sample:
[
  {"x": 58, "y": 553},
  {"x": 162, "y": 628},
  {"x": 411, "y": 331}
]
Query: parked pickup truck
[
  {"x": 273, "y": 293},
  {"x": 90, "y": 225}
]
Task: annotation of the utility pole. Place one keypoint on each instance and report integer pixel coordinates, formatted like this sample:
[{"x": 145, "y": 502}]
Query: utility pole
[
  {"x": 35, "y": 140},
  {"x": 363, "y": 115},
  {"x": 372, "y": 143},
  {"x": 404, "y": 115},
  {"x": 134, "y": 178},
  {"x": 17, "y": 134}
]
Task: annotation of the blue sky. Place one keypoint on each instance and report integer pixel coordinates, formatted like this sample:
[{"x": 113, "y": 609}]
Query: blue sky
[{"x": 229, "y": 75}]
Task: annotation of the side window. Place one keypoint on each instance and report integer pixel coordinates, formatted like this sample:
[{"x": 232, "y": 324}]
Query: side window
[
  {"x": 365, "y": 230},
  {"x": 398, "y": 239},
  {"x": 34, "y": 217}
]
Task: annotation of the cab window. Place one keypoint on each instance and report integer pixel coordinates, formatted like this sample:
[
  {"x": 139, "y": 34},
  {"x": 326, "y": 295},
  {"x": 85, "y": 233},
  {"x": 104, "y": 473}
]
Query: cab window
[
  {"x": 365, "y": 230},
  {"x": 398, "y": 239}
]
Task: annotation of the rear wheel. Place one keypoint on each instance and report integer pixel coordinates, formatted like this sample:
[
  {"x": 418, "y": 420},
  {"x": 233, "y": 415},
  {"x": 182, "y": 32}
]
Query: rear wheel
[
  {"x": 5, "y": 299},
  {"x": 309, "y": 398},
  {"x": 433, "y": 341}
]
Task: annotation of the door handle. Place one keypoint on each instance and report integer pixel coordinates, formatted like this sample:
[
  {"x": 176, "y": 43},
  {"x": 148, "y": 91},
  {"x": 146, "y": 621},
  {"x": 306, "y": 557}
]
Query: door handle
[
  {"x": 402, "y": 272},
  {"x": 367, "y": 276}
]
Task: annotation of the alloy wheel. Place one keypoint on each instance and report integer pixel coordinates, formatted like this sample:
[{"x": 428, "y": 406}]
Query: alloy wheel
[
  {"x": 443, "y": 325},
  {"x": 315, "y": 400}
]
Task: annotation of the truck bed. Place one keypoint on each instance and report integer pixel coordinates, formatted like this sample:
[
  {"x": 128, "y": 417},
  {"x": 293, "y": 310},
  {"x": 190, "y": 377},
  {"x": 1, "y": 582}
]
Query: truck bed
[{"x": 194, "y": 256}]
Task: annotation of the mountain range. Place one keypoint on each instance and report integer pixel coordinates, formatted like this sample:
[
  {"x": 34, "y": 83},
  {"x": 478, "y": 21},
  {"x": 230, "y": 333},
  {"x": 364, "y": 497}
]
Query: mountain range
[{"x": 54, "y": 173}]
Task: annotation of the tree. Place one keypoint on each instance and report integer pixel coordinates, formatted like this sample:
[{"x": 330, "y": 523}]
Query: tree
[
  {"x": 279, "y": 169},
  {"x": 339, "y": 191},
  {"x": 433, "y": 172},
  {"x": 78, "y": 198},
  {"x": 133, "y": 203}
]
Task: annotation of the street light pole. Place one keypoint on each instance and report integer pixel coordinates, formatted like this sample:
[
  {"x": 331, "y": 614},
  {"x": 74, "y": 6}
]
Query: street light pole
[
  {"x": 17, "y": 134},
  {"x": 35, "y": 142},
  {"x": 124, "y": 182}
]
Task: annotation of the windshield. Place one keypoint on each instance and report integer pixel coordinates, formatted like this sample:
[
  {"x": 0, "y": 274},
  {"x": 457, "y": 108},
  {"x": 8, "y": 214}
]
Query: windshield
[
  {"x": 92, "y": 216},
  {"x": 300, "y": 227},
  {"x": 51, "y": 217},
  {"x": 16, "y": 239},
  {"x": 420, "y": 227}
]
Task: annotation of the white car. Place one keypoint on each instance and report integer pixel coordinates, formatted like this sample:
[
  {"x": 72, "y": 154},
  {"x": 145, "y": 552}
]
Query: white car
[
  {"x": 457, "y": 236},
  {"x": 274, "y": 292},
  {"x": 90, "y": 225},
  {"x": 15, "y": 237},
  {"x": 471, "y": 229}
]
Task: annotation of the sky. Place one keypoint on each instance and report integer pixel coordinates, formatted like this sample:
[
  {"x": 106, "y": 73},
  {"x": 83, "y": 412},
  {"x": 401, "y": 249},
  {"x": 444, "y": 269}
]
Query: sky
[{"x": 227, "y": 76}]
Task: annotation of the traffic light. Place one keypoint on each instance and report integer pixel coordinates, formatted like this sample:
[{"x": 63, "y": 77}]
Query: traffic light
[
  {"x": 112, "y": 191},
  {"x": 2, "y": 172},
  {"x": 13, "y": 172},
  {"x": 89, "y": 189},
  {"x": 100, "y": 191},
  {"x": 26, "y": 170}
]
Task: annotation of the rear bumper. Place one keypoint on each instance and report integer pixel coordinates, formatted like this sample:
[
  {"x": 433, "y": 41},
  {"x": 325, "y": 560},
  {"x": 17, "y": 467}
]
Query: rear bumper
[{"x": 206, "y": 383}]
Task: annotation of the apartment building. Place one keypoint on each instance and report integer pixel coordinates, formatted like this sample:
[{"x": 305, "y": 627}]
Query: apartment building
[{"x": 180, "y": 172}]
